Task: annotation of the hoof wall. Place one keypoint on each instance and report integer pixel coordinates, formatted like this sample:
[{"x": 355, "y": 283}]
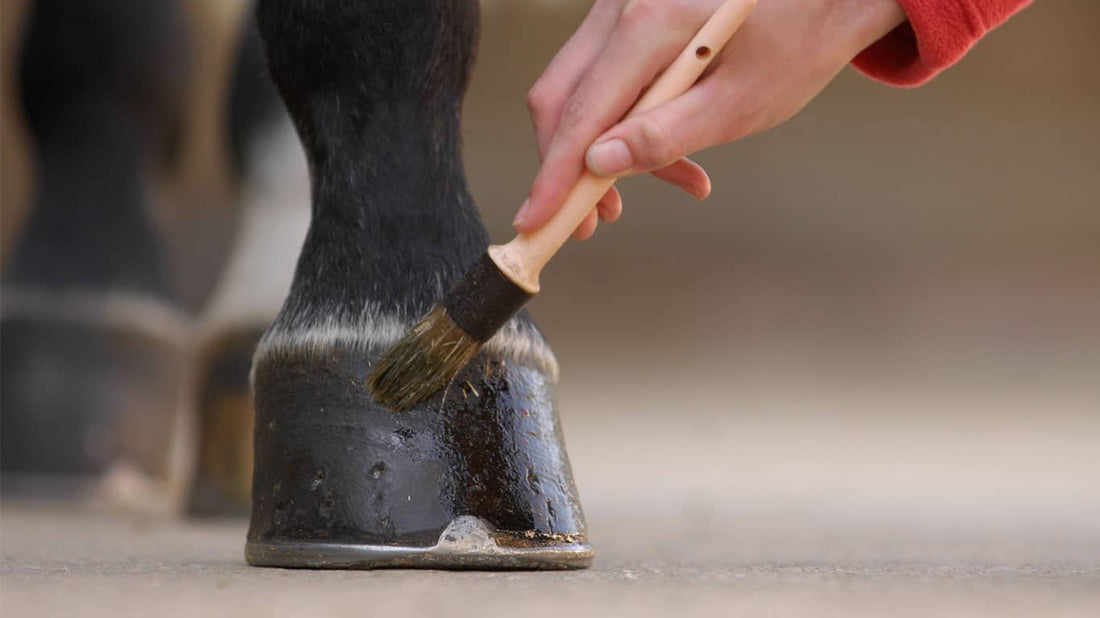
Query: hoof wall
[{"x": 477, "y": 478}]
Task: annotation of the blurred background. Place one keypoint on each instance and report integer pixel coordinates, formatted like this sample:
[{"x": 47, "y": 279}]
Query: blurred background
[
  {"x": 890, "y": 305},
  {"x": 880, "y": 336}
]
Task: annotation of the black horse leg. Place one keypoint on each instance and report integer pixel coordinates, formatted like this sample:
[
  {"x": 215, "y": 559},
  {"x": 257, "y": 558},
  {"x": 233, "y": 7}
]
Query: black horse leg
[{"x": 476, "y": 476}]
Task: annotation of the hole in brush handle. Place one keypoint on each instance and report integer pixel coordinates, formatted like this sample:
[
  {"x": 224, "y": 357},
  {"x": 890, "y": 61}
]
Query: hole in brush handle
[{"x": 702, "y": 52}]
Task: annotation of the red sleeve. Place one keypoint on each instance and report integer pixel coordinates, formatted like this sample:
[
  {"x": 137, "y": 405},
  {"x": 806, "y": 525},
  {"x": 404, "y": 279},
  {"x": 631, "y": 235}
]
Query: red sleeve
[{"x": 937, "y": 35}]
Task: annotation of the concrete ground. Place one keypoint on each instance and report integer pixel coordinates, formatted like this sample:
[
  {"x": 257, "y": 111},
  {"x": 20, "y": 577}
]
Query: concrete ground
[
  {"x": 61, "y": 564},
  {"x": 757, "y": 509}
]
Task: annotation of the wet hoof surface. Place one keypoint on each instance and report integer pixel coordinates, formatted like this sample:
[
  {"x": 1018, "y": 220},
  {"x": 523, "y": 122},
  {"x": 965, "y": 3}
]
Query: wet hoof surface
[{"x": 475, "y": 477}]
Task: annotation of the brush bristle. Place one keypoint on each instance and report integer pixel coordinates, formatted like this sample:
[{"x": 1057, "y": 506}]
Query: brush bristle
[{"x": 424, "y": 361}]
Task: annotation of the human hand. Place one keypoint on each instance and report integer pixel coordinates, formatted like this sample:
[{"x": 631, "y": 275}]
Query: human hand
[{"x": 784, "y": 55}]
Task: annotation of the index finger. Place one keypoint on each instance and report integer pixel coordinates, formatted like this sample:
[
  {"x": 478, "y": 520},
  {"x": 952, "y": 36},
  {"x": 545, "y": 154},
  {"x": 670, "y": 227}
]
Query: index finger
[
  {"x": 646, "y": 39},
  {"x": 548, "y": 95}
]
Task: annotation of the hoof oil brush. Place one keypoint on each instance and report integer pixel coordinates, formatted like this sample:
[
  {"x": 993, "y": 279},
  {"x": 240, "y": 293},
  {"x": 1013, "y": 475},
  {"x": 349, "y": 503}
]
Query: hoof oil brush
[{"x": 507, "y": 276}]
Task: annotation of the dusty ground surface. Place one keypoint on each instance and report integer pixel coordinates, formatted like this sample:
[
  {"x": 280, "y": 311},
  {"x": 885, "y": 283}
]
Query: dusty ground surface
[
  {"x": 63, "y": 564},
  {"x": 754, "y": 509}
]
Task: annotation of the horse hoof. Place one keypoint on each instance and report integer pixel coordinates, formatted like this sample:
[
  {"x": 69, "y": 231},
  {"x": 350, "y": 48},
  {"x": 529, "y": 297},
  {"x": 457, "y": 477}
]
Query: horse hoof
[
  {"x": 90, "y": 403},
  {"x": 222, "y": 485},
  {"x": 475, "y": 477}
]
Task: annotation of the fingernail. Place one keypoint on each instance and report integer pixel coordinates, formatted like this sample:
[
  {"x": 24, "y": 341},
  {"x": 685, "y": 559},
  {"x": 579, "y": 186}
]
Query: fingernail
[
  {"x": 609, "y": 158},
  {"x": 521, "y": 216}
]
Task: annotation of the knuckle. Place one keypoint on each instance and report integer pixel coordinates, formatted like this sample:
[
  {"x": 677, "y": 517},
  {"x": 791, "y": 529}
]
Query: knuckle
[
  {"x": 681, "y": 11},
  {"x": 730, "y": 132},
  {"x": 737, "y": 128},
  {"x": 654, "y": 145},
  {"x": 536, "y": 99},
  {"x": 694, "y": 12},
  {"x": 731, "y": 126},
  {"x": 740, "y": 123},
  {"x": 671, "y": 15},
  {"x": 738, "y": 106},
  {"x": 640, "y": 12},
  {"x": 574, "y": 111}
]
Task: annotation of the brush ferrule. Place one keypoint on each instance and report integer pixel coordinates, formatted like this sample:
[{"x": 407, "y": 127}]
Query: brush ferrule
[{"x": 484, "y": 300}]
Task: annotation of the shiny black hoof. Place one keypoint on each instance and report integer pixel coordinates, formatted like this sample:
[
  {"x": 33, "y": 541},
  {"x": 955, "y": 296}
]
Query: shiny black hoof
[
  {"x": 476, "y": 477},
  {"x": 222, "y": 484}
]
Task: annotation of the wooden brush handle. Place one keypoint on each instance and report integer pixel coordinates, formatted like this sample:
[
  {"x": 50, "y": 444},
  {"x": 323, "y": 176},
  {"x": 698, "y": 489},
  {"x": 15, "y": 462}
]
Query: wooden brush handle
[{"x": 523, "y": 258}]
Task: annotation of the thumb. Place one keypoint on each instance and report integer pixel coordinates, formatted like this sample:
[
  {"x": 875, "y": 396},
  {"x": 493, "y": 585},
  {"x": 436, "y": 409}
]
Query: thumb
[{"x": 660, "y": 136}]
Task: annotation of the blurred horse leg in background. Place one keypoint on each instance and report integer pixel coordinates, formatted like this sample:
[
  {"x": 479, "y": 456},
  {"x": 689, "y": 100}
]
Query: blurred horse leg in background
[
  {"x": 15, "y": 156},
  {"x": 199, "y": 181},
  {"x": 274, "y": 218},
  {"x": 92, "y": 364},
  {"x": 142, "y": 117}
]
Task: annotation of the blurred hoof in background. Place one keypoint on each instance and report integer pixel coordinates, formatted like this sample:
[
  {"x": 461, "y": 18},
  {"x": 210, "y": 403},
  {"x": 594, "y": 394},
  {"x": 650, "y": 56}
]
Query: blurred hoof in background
[
  {"x": 144, "y": 118},
  {"x": 95, "y": 353},
  {"x": 222, "y": 484},
  {"x": 90, "y": 406},
  {"x": 475, "y": 477}
]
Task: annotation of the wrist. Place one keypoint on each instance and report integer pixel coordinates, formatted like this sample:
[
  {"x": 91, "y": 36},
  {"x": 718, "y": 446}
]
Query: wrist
[{"x": 868, "y": 21}]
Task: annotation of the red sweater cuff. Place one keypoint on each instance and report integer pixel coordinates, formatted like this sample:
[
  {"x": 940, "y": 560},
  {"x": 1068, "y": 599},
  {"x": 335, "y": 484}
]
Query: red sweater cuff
[{"x": 937, "y": 35}]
